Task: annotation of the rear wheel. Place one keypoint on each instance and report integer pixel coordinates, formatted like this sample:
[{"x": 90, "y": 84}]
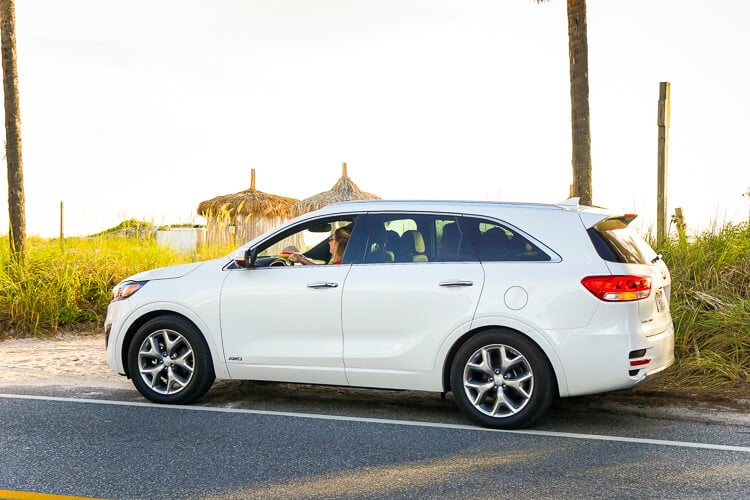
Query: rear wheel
[
  {"x": 501, "y": 379},
  {"x": 169, "y": 361}
]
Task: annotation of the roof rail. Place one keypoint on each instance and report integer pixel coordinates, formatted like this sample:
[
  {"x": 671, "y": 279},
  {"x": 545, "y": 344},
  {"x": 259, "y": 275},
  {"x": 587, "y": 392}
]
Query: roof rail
[{"x": 571, "y": 202}]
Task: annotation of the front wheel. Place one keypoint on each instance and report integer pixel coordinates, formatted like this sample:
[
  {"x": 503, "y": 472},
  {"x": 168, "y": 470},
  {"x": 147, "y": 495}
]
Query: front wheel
[
  {"x": 501, "y": 379},
  {"x": 169, "y": 361}
]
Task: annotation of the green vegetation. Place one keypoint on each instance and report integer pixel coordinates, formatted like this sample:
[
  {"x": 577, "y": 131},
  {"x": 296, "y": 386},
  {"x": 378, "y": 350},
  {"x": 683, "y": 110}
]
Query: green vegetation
[
  {"x": 70, "y": 286},
  {"x": 710, "y": 304}
]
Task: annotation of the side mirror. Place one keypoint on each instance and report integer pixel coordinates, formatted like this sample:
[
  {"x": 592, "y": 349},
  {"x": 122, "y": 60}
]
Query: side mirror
[{"x": 246, "y": 258}]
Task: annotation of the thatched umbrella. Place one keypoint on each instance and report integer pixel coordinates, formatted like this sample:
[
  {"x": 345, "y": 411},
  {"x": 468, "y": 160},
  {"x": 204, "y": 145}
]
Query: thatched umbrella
[
  {"x": 343, "y": 190},
  {"x": 249, "y": 202},
  {"x": 244, "y": 215}
]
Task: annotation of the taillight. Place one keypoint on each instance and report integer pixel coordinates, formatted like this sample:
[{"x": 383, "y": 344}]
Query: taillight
[{"x": 618, "y": 288}]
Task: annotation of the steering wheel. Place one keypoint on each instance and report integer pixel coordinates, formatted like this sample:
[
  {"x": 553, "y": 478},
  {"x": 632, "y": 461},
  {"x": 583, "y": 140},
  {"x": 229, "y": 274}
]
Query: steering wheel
[{"x": 279, "y": 261}]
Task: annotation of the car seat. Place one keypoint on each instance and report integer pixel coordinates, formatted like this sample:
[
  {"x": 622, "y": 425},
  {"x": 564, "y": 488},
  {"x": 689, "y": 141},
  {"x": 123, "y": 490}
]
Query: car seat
[{"x": 412, "y": 247}]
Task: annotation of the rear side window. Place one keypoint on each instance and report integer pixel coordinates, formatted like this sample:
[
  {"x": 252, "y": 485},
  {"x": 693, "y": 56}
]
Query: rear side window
[
  {"x": 400, "y": 238},
  {"x": 494, "y": 242},
  {"x": 453, "y": 244},
  {"x": 616, "y": 242}
]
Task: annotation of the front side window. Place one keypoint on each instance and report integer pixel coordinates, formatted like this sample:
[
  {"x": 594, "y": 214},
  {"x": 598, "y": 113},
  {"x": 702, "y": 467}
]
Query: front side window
[{"x": 311, "y": 239}]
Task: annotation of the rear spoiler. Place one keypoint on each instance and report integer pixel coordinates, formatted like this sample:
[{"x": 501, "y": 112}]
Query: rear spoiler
[
  {"x": 606, "y": 222},
  {"x": 593, "y": 215}
]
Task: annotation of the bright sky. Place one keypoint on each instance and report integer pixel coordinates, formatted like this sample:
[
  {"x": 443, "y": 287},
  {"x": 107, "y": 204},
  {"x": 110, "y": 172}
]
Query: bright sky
[{"x": 144, "y": 109}]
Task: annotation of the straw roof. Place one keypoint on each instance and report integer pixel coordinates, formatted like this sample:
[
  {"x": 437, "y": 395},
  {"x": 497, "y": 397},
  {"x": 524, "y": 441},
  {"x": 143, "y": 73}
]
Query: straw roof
[
  {"x": 343, "y": 190},
  {"x": 249, "y": 202}
]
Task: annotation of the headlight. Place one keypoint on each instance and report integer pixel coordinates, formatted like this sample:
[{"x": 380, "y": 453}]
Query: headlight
[{"x": 126, "y": 289}]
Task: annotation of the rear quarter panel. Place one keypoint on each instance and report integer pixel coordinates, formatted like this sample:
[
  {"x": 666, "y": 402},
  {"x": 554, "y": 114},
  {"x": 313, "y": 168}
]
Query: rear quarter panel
[{"x": 557, "y": 305}]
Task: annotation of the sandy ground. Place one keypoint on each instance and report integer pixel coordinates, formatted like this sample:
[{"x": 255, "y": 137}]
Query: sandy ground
[
  {"x": 66, "y": 360},
  {"x": 78, "y": 361}
]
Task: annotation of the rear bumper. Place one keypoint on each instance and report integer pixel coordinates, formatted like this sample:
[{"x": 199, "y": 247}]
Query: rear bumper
[
  {"x": 659, "y": 354},
  {"x": 611, "y": 360}
]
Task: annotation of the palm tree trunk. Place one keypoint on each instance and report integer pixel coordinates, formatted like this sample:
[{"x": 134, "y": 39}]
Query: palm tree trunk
[
  {"x": 579, "y": 99},
  {"x": 16, "y": 203}
]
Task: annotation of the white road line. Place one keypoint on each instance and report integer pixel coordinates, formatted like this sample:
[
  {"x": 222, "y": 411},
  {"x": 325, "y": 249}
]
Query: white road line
[{"x": 412, "y": 423}]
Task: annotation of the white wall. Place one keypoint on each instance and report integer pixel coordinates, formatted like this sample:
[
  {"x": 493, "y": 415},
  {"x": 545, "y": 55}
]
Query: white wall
[{"x": 182, "y": 239}]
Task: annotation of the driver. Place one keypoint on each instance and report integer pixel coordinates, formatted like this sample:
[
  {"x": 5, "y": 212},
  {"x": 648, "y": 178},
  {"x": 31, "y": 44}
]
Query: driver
[{"x": 336, "y": 244}]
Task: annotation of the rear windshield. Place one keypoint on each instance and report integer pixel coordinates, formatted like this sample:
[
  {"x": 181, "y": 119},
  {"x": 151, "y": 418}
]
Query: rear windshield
[{"x": 616, "y": 242}]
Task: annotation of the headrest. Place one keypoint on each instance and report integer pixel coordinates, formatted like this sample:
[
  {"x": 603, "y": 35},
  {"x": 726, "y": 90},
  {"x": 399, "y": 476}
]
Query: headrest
[
  {"x": 415, "y": 240},
  {"x": 378, "y": 235}
]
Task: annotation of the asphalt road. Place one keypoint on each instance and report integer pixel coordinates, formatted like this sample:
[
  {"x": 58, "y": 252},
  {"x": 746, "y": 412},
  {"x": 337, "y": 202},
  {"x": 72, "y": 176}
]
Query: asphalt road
[{"x": 264, "y": 440}]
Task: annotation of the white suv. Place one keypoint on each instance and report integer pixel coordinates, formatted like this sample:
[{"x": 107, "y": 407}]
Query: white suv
[{"x": 506, "y": 305}]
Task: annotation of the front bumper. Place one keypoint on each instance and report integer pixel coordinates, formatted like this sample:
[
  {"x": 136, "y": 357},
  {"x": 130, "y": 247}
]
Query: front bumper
[{"x": 116, "y": 312}]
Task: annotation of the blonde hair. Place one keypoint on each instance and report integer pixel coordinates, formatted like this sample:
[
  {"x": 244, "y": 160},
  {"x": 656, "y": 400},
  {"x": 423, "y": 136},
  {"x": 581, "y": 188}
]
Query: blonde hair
[{"x": 341, "y": 235}]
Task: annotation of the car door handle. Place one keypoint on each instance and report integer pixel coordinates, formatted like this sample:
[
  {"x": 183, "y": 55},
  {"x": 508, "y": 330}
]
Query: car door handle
[
  {"x": 322, "y": 284},
  {"x": 457, "y": 283}
]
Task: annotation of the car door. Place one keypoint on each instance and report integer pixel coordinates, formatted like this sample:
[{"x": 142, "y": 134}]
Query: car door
[
  {"x": 398, "y": 312},
  {"x": 284, "y": 322}
]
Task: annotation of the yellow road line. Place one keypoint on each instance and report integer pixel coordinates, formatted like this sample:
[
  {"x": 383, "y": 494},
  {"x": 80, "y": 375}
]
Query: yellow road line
[{"x": 24, "y": 495}]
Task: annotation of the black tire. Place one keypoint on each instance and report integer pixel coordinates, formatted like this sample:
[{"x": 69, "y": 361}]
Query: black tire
[
  {"x": 169, "y": 361},
  {"x": 501, "y": 379}
]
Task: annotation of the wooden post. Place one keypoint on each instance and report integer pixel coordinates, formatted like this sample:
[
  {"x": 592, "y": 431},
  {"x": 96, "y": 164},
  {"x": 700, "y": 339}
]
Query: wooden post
[
  {"x": 61, "y": 224},
  {"x": 661, "y": 175},
  {"x": 679, "y": 219}
]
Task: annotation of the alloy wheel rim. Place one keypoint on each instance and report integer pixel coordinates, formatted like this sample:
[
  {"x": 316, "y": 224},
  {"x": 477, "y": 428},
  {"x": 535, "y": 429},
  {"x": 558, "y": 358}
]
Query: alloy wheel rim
[
  {"x": 498, "y": 380},
  {"x": 166, "y": 362}
]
